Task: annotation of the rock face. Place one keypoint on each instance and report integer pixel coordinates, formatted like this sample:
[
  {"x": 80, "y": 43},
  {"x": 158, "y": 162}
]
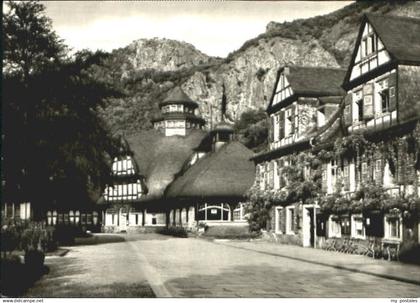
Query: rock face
[
  {"x": 248, "y": 74},
  {"x": 249, "y": 78},
  {"x": 164, "y": 54}
]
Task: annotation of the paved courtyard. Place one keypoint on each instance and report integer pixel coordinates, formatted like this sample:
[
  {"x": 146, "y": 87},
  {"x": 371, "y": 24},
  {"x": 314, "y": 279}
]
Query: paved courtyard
[{"x": 150, "y": 264}]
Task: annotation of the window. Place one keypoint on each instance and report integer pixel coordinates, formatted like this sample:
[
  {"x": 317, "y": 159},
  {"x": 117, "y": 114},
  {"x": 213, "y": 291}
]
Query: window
[
  {"x": 238, "y": 213},
  {"x": 369, "y": 43},
  {"x": 345, "y": 226},
  {"x": 95, "y": 217},
  {"x": 393, "y": 227},
  {"x": 77, "y": 217},
  {"x": 290, "y": 219},
  {"x": 54, "y": 217},
  {"x": 321, "y": 116},
  {"x": 334, "y": 227},
  {"x": 279, "y": 219},
  {"x": 358, "y": 228},
  {"x": 384, "y": 95},
  {"x": 364, "y": 171},
  {"x": 49, "y": 218},
  {"x": 360, "y": 110}
]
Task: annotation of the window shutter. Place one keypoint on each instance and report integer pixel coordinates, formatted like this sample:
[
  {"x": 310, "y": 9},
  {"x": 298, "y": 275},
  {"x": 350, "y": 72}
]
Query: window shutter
[
  {"x": 378, "y": 171},
  {"x": 346, "y": 176},
  {"x": 400, "y": 170},
  {"x": 281, "y": 126},
  {"x": 365, "y": 173},
  {"x": 283, "y": 220},
  {"x": 272, "y": 124},
  {"x": 324, "y": 178},
  {"x": 280, "y": 164},
  {"x": 292, "y": 118},
  {"x": 277, "y": 172},
  {"x": 392, "y": 86},
  {"x": 347, "y": 109},
  {"x": 368, "y": 101},
  {"x": 271, "y": 174}
]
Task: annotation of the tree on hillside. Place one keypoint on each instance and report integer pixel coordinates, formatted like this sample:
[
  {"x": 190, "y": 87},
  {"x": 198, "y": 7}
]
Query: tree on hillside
[
  {"x": 55, "y": 148},
  {"x": 252, "y": 129}
]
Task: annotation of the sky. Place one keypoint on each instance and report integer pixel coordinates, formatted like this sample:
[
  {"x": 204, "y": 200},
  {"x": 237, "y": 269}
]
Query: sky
[{"x": 214, "y": 27}]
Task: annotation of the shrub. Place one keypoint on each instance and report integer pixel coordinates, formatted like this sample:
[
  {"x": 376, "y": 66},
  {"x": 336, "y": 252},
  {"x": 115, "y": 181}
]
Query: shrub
[
  {"x": 9, "y": 238},
  {"x": 12, "y": 276},
  {"x": 230, "y": 232},
  {"x": 66, "y": 234},
  {"x": 410, "y": 252},
  {"x": 34, "y": 261},
  {"x": 175, "y": 231}
]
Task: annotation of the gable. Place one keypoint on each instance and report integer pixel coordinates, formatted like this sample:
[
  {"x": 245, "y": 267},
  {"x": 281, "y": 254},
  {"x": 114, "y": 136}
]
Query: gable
[
  {"x": 370, "y": 52},
  {"x": 283, "y": 89}
]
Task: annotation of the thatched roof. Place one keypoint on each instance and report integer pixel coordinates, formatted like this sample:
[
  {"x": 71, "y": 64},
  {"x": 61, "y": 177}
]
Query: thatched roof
[
  {"x": 400, "y": 35},
  {"x": 159, "y": 158},
  {"x": 223, "y": 175},
  {"x": 178, "y": 96}
]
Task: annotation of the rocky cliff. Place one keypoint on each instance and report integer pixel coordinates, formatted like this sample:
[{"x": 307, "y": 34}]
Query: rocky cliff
[
  {"x": 148, "y": 69},
  {"x": 163, "y": 54}
]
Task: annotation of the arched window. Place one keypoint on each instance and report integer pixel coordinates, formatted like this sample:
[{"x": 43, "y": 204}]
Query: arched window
[
  {"x": 71, "y": 217},
  {"x": 214, "y": 212}
]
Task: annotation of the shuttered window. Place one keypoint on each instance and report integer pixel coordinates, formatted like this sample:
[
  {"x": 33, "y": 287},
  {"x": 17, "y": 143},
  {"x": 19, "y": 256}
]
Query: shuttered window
[
  {"x": 368, "y": 101},
  {"x": 347, "y": 109}
]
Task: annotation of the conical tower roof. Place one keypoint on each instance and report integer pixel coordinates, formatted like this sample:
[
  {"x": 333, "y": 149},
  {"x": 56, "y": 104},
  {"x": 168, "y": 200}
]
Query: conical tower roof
[{"x": 178, "y": 96}]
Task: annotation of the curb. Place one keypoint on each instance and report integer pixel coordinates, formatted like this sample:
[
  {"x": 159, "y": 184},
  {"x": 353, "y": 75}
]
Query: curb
[{"x": 385, "y": 276}]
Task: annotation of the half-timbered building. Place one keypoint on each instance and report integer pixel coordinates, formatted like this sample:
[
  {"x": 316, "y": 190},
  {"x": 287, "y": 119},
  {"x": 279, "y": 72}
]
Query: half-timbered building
[
  {"x": 378, "y": 148},
  {"x": 178, "y": 174},
  {"x": 304, "y": 101}
]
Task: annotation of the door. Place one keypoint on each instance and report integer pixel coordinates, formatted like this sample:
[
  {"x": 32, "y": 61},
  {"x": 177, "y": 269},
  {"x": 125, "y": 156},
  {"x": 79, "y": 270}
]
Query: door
[
  {"x": 308, "y": 227},
  {"x": 123, "y": 222}
]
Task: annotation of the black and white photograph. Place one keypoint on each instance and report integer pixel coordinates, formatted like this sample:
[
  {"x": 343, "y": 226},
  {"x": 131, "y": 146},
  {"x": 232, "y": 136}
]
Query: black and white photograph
[{"x": 210, "y": 149}]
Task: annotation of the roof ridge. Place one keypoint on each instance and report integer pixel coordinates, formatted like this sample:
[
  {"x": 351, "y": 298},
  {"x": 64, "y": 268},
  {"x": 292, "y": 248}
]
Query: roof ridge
[
  {"x": 408, "y": 18},
  {"x": 314, "y": 67}
]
